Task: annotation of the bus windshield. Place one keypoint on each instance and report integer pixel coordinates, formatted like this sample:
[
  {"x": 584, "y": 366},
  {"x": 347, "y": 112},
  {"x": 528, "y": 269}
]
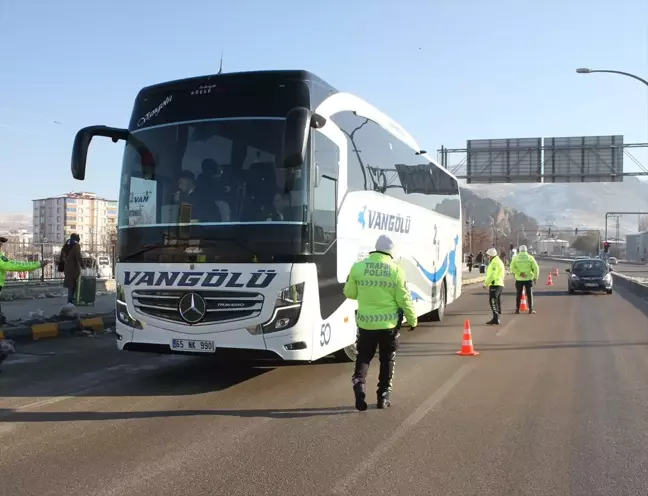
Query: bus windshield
[{"x": 209, "y": 172}]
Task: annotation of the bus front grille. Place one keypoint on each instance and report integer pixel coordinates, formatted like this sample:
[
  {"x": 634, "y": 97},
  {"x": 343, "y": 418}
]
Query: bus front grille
[{"x": 221, "y": 306}]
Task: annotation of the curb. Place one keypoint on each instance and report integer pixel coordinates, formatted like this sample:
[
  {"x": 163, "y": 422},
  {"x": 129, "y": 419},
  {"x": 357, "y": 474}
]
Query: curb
[
  {"x": 50, "y": 330},
  {"x": 635, "y": 287},
  {"x": 473, "y": 280}
]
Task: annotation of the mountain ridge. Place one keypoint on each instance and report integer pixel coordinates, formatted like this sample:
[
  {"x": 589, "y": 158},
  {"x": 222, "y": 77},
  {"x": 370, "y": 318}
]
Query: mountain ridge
[{"x": 573, "y": 204}]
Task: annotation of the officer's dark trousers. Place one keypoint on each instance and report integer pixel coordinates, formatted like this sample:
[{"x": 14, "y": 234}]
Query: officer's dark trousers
[
  {"x": 386, "y": 340},
  {"x": 495, "y": 300},
  {"x": 528, "y": 286}
]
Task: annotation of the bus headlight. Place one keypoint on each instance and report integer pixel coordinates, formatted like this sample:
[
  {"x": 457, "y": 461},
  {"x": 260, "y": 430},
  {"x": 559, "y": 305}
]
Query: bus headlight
[
  {"x": 287, "y": 309},
  {"x": 290, "y": 296},
  {"x": 121, "y": 308}
]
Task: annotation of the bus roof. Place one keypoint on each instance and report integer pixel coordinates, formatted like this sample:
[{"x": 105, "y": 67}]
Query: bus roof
[{"x": 273, "y": 75}]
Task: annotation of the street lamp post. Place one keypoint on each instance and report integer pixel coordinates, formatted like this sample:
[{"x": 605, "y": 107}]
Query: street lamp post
[
  {"x": 584, "y": 70},
  {"x": 471, "y": 225}
]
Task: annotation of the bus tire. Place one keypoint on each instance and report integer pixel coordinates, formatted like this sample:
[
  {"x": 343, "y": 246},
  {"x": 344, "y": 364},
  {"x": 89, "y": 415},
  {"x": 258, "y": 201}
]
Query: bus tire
[
  {"x": 438, "y": 314},
  {"x": 347, "y": 354}
]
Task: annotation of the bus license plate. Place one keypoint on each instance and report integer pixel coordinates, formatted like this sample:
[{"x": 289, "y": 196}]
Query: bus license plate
[{"x": 193, "y": 345}]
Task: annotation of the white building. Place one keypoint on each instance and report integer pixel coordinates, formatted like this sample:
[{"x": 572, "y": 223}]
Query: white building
[
  {"x": 553, "y": 246},
  {"x": 637, "y": 247},
  {"x": 93, "y": 218}
]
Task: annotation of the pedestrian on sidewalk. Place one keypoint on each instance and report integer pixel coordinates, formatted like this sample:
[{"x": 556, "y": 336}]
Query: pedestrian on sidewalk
[
  {"x": 470, "y": 262},
  {"x": 71, "y": 264},
  {"x": 495, "y": 274},
  {"x": 527, "y": 272},
  {"x": 378, "y": 284},
  {"x": 7, "y": 265}
]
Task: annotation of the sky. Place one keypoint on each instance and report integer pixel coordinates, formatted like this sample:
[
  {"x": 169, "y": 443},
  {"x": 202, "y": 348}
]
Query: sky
[{"x": 447, "y": 71}]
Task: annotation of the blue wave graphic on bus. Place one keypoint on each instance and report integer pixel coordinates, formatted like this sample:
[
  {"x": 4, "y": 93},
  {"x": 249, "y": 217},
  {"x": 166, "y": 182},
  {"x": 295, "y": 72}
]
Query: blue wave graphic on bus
[
  {"x": 449, "y": 264},
  {"x": 416, "y": 296},
  {"x": 436, "y": 275}
]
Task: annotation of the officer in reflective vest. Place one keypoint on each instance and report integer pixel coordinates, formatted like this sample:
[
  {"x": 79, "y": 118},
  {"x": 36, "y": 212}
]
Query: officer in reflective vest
[
  {"x": 378, "y": 284},
  {"x": 7, "y": 265},
  {"x": 495, "y": 284},
  {"x": 526, "y": 272}
]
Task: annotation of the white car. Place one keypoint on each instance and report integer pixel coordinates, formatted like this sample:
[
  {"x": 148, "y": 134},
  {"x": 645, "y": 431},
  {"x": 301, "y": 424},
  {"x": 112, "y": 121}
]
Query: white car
[{"x": 612, "y": 261}]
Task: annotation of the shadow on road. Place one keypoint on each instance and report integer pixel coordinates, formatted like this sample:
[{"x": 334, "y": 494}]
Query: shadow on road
[
  {"x": 140, "y": 376},
  {"x": 638, "y": 302},
  {"x": 11, "y": 416}
]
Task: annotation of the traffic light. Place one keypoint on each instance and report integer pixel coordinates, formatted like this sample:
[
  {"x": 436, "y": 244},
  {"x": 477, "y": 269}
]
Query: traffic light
[
  {"x": 606, "y": 246},
  {"x": 549, "y": 231}
]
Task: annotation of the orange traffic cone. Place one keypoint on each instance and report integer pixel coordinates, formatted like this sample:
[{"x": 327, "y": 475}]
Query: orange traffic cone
[
  {"x": 524, "y": 307},
  {"x": 549, "y": 280},
  {"x": 467, "y": 348}
]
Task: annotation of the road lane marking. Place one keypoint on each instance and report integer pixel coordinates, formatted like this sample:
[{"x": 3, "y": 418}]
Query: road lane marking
[
  {"x": 426, "y": 407},
  {"x": 505, "y": 329}
]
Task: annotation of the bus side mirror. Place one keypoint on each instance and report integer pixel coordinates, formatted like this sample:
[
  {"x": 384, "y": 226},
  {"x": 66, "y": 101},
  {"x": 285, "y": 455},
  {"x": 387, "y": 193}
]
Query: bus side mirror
[
  {"x": 82, "y": 143},
  {"x": 298, "y": 123}
]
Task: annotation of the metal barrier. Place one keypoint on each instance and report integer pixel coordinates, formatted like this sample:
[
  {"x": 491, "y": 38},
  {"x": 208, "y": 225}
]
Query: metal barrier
[{"x": 98, "y": 257}]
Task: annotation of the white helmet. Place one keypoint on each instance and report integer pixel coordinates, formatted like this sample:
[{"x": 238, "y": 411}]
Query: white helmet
[
  {"x": 523, "y": 248},
  {"x": 491, "y": 252}
]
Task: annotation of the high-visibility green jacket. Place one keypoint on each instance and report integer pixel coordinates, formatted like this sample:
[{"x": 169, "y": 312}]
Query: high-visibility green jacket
[
  {"x": 495, "y": 272},
  {"x": 379, "y": 286},
  {"x": 525, "y": 267},
  {"x": 7, "y": 265}
]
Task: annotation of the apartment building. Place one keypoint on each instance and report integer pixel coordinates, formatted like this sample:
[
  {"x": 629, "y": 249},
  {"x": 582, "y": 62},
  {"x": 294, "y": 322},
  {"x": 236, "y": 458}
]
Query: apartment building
[{"x": 93, "y": 218}]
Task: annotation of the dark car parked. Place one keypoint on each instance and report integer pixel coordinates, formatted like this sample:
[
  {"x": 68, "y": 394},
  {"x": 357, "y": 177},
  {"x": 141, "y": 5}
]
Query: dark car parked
[{"x": 590, "y": 275}]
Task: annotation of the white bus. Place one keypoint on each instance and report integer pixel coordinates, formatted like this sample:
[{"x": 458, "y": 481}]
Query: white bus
[{"x": 245, "y": 199}]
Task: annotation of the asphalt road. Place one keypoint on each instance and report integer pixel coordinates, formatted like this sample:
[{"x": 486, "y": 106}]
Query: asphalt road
[{"x": 554, "y": 405}]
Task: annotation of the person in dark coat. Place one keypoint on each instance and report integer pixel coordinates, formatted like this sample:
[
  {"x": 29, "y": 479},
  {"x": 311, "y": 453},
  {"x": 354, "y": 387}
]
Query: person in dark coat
[{"x": 72, "y": 263}]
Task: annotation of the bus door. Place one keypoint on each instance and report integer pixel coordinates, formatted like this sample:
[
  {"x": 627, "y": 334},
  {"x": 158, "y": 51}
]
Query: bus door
[{"x": 329, "y": 152}]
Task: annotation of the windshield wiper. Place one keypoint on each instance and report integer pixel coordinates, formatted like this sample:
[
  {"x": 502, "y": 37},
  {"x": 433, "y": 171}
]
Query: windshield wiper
[
  {"x": 211, "y": 242},
  {"x": 144, "y": 249}
]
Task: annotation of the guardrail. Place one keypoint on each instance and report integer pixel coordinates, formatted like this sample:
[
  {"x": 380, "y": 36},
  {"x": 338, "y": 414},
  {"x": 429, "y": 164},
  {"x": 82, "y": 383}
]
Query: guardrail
[{"x": 26, "y": 251}]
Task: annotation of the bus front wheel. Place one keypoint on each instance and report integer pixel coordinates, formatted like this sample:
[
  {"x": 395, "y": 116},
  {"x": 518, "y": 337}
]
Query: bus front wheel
[
  {"x": 347, "y": 354},
  {"x": 438, "y": 314}
]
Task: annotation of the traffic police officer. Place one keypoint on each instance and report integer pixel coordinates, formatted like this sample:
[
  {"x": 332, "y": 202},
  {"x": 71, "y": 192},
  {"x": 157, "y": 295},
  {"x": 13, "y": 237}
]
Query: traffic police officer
[
  {"x": 495, "y": 284},
  {"x": 7, "y": 265},
  {"x": 378, "y": 284},
  {"x": 526, "y": 272}
]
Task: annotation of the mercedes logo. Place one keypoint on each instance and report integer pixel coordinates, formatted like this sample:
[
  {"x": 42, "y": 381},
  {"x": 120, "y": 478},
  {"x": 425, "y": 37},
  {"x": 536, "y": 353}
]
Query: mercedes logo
[{"x": 192, "y": 308}]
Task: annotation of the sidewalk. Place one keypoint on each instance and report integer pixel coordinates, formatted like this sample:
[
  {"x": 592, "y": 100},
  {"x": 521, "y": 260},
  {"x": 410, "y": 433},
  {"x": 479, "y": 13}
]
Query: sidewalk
[{"x": 23, "y": 309}]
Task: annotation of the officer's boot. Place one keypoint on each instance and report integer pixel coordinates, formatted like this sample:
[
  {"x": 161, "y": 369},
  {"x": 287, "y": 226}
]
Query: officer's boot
[
  {"x": 360, "y": 397},
  {"x": 495, "y": 320},
  {"x": 384, "y": 399}
]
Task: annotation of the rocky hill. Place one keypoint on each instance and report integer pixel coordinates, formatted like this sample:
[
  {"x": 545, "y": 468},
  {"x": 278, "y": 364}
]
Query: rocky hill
[{"x": 486, "y": 212}]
